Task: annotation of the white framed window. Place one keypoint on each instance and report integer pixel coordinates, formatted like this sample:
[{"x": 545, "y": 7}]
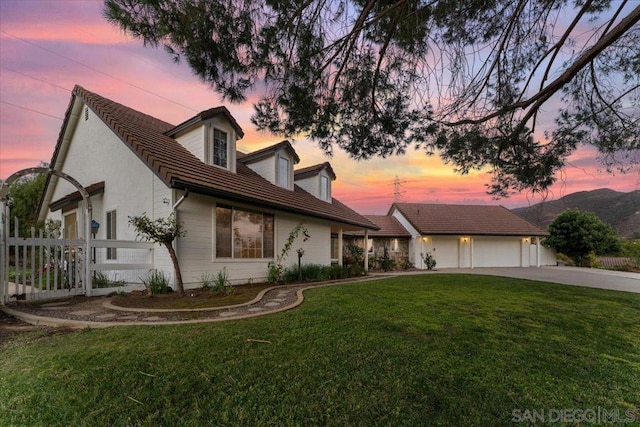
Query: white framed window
[
  {"x": 111, "y": 233},
  {"x": 370, "y": 245},
  {"x": 394, "y": 246},
  {"x": 325, "y": 188},
  {"x": 284, "y": 172},
  {"x": 218, "y": 148},
  {"x": 243, "y": 234},
  {"x": 334, "y": 246}
]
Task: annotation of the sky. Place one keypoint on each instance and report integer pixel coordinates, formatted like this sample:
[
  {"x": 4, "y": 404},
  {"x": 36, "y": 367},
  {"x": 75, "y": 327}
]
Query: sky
[{"x": 47, "y": 47}]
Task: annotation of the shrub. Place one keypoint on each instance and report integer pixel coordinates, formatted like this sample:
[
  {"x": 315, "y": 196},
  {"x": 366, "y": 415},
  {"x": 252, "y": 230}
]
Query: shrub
[
  {"x": 405, "y": 264},
  {"x": 276, "y": 269},
  {"x": 156, "y": 282},
  {"x": 429, "y": 261},
  {"x": 321, "y": 273},
  {"x": 386, "y": 262},
  {"x": 102, "y": 280},
  {"x": 566, "y": 259},
  {"x": 354, "y": 255},
  {"x": 218, "y": 285}
]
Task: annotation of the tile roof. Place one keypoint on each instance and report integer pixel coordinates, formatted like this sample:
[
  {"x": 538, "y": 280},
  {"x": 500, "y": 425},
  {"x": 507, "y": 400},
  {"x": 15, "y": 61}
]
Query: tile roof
[
  {"x": 314, "y": 170},
  {"x": 267, "y": 151},
  {"x": 389, "y": 227},
  {"x": 475, "y": 220},
  {"x": 178, "y": 168},
  {"x": 93, "y": 189},
  {"x": 205, "y": 115}
]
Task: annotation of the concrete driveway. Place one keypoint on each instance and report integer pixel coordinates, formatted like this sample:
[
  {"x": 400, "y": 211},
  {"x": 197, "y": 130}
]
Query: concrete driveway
[{"x": 589, "y": 277}]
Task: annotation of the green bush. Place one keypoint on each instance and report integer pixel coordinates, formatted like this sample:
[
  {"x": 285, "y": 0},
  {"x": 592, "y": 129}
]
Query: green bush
[
  {"x": 429, "y": 261},
  {"x": 321, "y": 273},
  {"x": 218, "y": 285},
  {"x": 405, "y": 264},
  {"x": 566, "y": 259},
  {"x": 102, "y": 280},
  {"x": 156, "y": 282},
  {"x": 354, "y": 255}
]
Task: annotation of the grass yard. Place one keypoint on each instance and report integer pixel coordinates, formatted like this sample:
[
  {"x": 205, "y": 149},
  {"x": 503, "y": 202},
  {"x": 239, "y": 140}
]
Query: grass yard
[{"x": 417, "y": 350}]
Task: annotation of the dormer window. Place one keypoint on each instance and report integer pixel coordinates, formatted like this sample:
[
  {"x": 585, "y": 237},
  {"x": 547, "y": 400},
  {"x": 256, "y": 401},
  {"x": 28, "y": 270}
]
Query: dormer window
[
  {"x": 219, "y": 148},
  {"x": 284, "y": 172},
  {"x": 325, "y": 188}
]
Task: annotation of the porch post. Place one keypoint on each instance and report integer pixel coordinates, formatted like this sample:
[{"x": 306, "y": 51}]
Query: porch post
[
  {"x": 366, "y": 250},
  {"x": 471, "y": 249},
  {"x": 4, "y": 255},
  {"x": 88, "y": 285},
  {"x": 340, "y": 246},
  {"x": 537, "y": 251}
]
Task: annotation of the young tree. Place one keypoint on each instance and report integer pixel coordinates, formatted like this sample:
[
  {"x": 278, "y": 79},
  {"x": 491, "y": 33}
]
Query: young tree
[
  {"x": 467, "y": 79},
  {"x": 24, "y": 195},
  {"x": 163, "y": 231},
  {"x": 576, "y": 234}
]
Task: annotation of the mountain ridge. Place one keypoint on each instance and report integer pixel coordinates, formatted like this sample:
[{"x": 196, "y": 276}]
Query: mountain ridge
[{"x": 619, "y": 209}]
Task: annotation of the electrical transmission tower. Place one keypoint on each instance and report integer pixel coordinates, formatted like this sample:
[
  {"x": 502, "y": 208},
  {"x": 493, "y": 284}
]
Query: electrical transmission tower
[{"x": 398, "y": 192}]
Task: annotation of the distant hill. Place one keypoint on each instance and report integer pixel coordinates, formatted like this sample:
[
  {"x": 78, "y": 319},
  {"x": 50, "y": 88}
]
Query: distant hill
[{"x": 621, "y": 210}]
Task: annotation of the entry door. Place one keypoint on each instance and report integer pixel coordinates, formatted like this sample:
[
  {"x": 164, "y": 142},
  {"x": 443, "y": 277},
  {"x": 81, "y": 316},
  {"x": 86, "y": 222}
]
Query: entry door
[{"x": 71, "y": 226}]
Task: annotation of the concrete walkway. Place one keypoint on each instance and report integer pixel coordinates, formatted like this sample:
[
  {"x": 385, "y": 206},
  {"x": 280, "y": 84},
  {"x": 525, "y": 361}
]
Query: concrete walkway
[
  {"x": 589, "y": 277},
  {"x": 98, "y": 312}
]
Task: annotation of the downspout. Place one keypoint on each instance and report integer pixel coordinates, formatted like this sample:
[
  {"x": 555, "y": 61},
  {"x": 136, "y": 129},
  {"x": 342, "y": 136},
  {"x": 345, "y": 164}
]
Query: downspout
[
  {"x": 180, "y": 200},
  {"x": 175, "y": 212}
]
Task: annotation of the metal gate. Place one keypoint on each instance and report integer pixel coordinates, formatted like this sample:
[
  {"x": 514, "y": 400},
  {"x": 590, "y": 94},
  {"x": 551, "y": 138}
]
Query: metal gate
[{"x": 42, "y": 266}]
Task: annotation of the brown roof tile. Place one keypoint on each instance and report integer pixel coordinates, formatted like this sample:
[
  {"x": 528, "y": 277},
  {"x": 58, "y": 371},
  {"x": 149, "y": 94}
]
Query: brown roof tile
[
  {"x": 476, "y": 220},
  {"x": 389, "y": 227},
  {"x": 314, "y": 170},
  {"x": 179, "y": 168},
  {"x": 264, "y": 152},
  {"x": 205, "y": 115}
]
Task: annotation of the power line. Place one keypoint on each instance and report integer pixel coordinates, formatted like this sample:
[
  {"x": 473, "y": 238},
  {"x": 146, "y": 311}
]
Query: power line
[
  {"x": 98, "y": 71},
  {"x": 34, "y": 78},
  {"x": 32, "y": 110},
  {"x": 263, "y": 139}
]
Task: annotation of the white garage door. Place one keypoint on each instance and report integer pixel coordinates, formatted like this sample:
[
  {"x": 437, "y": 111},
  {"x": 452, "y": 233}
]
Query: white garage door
[
  {"x": 446, "y": 251},
  {"x": 496, "y": 252}
]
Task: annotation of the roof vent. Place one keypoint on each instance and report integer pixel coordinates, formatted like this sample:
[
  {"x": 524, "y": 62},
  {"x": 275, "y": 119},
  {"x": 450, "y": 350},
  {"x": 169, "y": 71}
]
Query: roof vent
[{"x": 86, "y": 113}]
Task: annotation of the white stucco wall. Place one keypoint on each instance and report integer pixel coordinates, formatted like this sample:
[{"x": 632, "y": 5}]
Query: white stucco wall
[
  {"x": 96, "y": 154},
  {"x": 196, "y": 249}
]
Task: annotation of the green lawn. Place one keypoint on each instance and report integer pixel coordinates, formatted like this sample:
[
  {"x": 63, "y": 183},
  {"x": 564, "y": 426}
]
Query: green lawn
[{"x": 419, "y": 350}]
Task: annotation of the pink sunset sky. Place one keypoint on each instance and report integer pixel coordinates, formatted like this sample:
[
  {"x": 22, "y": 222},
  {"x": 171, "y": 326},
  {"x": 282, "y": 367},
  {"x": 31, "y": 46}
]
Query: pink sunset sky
[{"x": 46, "y": 47}]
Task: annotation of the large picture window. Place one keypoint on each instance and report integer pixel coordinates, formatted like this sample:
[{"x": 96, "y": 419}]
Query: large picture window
[
  {"x": 219, "y": 147},
  {"x": 243, "y": 234}
]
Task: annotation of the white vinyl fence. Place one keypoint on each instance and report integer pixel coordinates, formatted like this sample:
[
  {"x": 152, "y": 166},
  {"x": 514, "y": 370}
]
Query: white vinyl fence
[{"x": 44, "y": 265}]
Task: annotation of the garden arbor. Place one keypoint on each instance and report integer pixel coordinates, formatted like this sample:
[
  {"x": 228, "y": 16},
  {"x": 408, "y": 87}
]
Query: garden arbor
[{"x": 70, "y": 256}]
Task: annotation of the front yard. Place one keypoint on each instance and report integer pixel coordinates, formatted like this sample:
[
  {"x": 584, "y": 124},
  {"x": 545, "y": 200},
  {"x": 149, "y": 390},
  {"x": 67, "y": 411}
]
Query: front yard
[{"x": 418, "y": 350}]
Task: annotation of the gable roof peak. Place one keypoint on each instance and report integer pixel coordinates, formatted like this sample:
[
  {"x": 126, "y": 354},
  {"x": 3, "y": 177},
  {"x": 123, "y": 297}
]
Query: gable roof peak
[
  {"x": 206, "y": 115},
  {"x": 268, "y": 151},
  {"x": 314, "y": 170}
]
